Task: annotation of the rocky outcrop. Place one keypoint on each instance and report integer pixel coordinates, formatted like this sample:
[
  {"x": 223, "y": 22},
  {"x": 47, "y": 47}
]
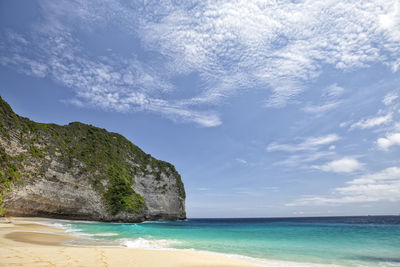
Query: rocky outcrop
[{"x": 79, "y": 171}]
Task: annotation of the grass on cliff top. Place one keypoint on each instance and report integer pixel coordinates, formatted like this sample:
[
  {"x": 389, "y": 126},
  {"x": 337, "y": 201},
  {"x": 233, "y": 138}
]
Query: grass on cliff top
[{"x": 103, "y": 154}]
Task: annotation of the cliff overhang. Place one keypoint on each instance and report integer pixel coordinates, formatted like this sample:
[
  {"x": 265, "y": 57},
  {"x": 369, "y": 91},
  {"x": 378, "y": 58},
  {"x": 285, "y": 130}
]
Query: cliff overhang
[{"x": 79, "y": 171}]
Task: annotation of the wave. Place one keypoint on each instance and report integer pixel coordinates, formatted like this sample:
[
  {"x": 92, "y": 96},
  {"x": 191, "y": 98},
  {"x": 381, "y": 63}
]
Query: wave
[
  {"x": 155, "y": 222},
  {"x": 56, "y": 224},
  {"x": 105, "y": 234},
  {"x": 142, "y": 243},
  {"x": 97, "y": 234},
  {"x": 81, "y": 233}
]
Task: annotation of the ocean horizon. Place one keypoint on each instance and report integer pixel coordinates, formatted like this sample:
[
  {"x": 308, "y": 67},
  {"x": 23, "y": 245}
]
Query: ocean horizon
[{"x": 339, "y": 240}]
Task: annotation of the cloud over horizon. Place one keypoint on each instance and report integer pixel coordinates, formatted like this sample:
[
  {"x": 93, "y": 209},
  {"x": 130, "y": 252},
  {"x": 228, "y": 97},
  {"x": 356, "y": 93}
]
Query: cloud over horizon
[{"x": 380, "y": 186}]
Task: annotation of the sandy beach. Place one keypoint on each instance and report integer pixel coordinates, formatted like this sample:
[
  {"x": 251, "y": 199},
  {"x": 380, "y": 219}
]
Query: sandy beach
[{"x": 25, "y": 242}]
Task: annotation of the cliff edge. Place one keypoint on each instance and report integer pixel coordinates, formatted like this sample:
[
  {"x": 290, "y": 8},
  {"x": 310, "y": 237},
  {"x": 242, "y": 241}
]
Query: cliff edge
[{"x": 79, "y": 171}]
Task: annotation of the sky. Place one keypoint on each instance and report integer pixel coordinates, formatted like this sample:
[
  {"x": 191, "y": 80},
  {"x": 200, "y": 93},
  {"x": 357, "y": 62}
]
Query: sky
[{"x": 266, "y": 108}]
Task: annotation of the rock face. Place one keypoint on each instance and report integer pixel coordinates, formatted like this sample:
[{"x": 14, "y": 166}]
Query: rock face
[{"x": 79, "y": 171}]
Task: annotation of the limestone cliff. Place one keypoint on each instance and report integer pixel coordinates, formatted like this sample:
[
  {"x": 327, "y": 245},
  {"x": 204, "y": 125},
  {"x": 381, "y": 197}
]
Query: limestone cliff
[{"x": 79, "y": 171}]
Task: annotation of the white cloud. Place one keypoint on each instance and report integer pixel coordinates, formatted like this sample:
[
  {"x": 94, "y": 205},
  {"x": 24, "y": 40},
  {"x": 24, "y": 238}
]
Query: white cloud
[
  {"x": 373, "y": 178},
  {"x": 310, "y": 143},
  {"x": 380, "y": 186},
  {"x": 322, "y": 140},
  {"x": 389, "y": 98},
  {"x": 109, "y": 82},
  {"x": 344, "y": 165},
  {"x": 390, "y": 140},
  {"x": 276, "y": 46},
  {"x": 288, "y": 47},
  {"x": 243, "y": 161},
  {"x": 310, "y": 150},
  {"x": 344, "y": 124},
  {"x": 301, "y": 159},
  {"x": 320, "y": 108},
  {"x": 333, "y": 91},
  {"x": 372, "y": 122},
  {"x": 330, "y": 100}
]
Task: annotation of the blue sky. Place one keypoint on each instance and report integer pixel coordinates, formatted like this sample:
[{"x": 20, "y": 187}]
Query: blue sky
[{"x": 266, "y": 108}]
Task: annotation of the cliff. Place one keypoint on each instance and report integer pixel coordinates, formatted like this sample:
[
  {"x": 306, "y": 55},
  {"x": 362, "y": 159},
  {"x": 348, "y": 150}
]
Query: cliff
[{"x": 79, "y": 171}]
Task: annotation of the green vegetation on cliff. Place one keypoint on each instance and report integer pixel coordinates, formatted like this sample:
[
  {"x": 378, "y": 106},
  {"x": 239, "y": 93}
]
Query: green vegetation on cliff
[
  {"x": 9, "y": 173},
  {"x": 109, "y": 158}
]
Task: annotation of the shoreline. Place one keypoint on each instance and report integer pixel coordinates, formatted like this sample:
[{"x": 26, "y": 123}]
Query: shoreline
[{"x": 26, "y": 241}]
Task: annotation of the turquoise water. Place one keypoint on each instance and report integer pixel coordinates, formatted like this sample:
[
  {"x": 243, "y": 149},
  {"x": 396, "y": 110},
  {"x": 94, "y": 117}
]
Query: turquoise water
[{"x": 349, "y": 241}]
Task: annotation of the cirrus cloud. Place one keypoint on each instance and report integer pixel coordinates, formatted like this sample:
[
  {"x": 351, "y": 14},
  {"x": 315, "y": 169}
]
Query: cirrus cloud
[
  {"x": 310, "y": 143},
  {"x": 276, "y": 46},
  {"x": 372, "y": 122}
]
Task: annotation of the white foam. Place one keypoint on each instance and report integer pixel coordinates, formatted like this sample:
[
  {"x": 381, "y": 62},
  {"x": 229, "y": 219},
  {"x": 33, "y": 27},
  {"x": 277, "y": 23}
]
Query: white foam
[
  {"x": 54, "y": 224},
  {"x": 142, "y": 243},
  {"x": 59, "y": 225},
  {"x": 98, "y": 234},
  {"x": 74, "y": 231},
  {"x": 105, "y": 234}
]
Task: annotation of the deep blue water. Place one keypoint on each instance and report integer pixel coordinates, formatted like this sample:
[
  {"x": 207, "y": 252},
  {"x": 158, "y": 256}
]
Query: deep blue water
[{"x": 349, "y": 241}]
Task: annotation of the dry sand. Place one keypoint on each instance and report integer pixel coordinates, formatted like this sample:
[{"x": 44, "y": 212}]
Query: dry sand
[{"x": 24, "y": 242}]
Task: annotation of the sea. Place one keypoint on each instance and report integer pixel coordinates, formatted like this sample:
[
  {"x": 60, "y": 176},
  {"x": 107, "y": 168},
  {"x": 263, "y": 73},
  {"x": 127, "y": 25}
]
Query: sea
[{"x": 337, "y": 241}]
